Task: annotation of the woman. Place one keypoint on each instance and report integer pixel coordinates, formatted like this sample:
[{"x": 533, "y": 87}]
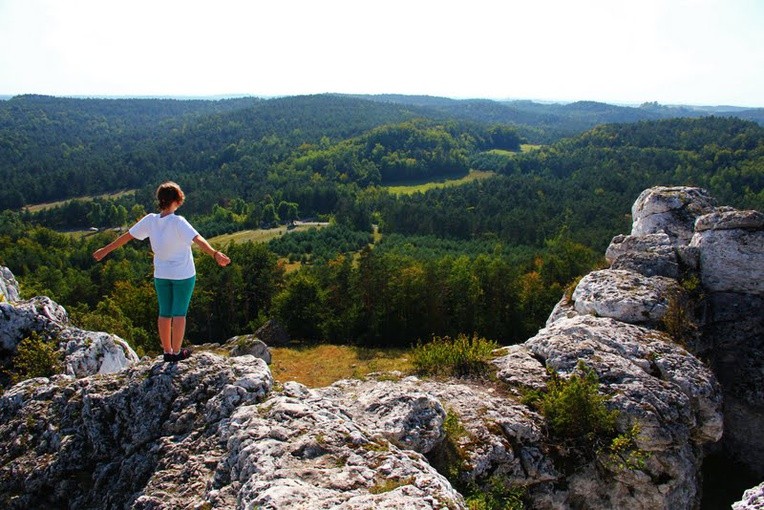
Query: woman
[{"x": 170, "y": 236}]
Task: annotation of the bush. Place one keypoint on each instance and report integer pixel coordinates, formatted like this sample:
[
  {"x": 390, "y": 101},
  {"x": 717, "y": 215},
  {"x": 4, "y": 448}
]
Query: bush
[
  {"x": 35, "y": 357},
  {"x": 460, "y": 357},
  {"x": 574, "y": 409},
  {"x": 496, "y": 494},
  {"x": 577, "y": 416}
]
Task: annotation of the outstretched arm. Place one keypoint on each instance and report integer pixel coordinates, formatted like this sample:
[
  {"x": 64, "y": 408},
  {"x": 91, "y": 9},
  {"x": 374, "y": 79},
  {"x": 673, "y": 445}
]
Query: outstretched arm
[
  {"x": 117, "y": 243},
  {"x": 220, "y": 257}
]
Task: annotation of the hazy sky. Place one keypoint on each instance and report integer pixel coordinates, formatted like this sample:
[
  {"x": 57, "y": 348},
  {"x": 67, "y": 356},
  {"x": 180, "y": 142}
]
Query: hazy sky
[{"x": 708, "y": 52}]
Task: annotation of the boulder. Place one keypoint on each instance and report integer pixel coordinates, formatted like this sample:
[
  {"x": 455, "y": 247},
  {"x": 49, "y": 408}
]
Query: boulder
[
  {"x": 624, "y": 295},
  {"x": 20, "y": 319},
  {"x": 648, "y": 255},
  {"x": 670, "y": 210},
  {"x": 272, "y": 333},
  {"x": 653, "y": 382},
  {"x": 89, "y": 352},
  {"x": 731, "y": 247},
  {"x": 303, "y": 451},
  {"x": 243, "y": 345}
]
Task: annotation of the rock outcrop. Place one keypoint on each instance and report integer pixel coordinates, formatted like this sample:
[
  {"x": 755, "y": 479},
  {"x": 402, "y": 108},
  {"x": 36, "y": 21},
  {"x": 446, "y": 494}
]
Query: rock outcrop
[
  {"x": 146, "y": 437},
  {"x": 731, "y": 268},
  {"x": 83, "y": 352},
  {"x": 216, "y": 432}
]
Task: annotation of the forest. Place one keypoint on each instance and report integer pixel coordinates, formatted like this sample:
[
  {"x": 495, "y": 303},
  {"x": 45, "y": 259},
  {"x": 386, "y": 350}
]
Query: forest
[{"x": 490, "y": 256}]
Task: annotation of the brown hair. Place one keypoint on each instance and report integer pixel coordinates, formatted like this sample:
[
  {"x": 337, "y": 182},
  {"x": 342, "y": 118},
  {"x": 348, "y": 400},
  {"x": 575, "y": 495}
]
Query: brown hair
[{"x": 167, "y": 193}]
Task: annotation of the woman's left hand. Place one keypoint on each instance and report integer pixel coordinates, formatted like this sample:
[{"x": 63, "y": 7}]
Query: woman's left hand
[{"x": 221, "y": 258}]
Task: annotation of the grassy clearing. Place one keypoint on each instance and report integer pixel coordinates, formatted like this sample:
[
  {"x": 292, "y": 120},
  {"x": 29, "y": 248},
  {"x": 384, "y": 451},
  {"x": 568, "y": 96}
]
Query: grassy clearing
[
  {"x": 410, "y": 189},
  {"x": 527, "y": 147},
  {"x": 261, "y": 235},
  {"x": 51, "y": 205},
  {"x": 317, "y": 366}
]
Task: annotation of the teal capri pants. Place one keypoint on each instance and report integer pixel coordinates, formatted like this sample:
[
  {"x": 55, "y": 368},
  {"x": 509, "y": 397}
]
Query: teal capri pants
[{"x": 174, "y": 296}]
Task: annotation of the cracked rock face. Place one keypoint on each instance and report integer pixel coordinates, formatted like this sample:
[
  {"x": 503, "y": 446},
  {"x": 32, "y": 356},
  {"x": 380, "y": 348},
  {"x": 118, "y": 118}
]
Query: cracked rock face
[
  {"x": 653, "y": 382},
  {"x": 143, "y": 438},
  {"x": 300, "y": 450}
]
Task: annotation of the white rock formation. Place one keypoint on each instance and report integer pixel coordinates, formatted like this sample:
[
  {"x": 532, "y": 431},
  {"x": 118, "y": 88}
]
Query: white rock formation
[{"x": 84, "y": 352}]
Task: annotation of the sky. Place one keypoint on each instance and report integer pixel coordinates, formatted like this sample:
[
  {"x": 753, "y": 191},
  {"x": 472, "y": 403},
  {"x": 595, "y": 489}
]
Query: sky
[{"x": 698, "y": 52}]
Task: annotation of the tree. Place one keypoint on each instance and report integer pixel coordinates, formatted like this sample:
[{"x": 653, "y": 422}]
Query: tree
[{"x": 287, "y": 211}]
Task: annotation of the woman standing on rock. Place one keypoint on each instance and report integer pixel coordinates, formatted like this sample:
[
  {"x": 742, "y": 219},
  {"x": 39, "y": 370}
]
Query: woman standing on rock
[{"x": 170, "y": 236}]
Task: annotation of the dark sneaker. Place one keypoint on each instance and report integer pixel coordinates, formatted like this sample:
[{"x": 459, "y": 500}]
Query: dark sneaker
[
  {"x": 183, "y": 354},
  {"x": 170, "y": 358}
]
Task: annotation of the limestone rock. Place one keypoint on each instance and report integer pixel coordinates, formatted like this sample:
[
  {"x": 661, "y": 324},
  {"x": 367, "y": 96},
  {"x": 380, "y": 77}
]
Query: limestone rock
[
  {"x": 301, "y": 450},
  {"x": 498, "y": 433},
  {"x": 84, "y": 352},
  {"x": 624, "y": 295},
  {"x": 90, "y": 352},
  {"x": 731, "y": 246},
  {"x": 648, "y": 255},
  {"x": 753, "y": 499},
  {"x": 730, "y": 220},
  {"x": 21, "y": 318},
  {"x": 670, "y": 210},
  {"x": 404, "y": 414},
  {"x": 9, "y": 287},
  {"x": 673, "y": 396},
  {"x": 147, "y": 437},
  {"x": 248, "y": 344}
]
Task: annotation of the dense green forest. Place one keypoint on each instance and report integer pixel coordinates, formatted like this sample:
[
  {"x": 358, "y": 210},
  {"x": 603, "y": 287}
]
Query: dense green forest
[{"x": 490, "y": 256}]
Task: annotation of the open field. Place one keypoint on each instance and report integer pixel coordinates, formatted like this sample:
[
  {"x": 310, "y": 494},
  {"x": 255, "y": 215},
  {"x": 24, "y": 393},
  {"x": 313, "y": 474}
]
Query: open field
[
  {"x": 410, "y": 189},
  {"x": 262, "y": 235},
  {"x": 50, "y": 205},
  {"x": 316, "y": 366}
]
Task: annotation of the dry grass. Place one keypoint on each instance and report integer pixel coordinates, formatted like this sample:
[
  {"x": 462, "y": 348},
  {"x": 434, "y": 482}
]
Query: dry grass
[
  {"x": 262, "y": 235},
  {"x": 474, "y": 175},
  {"x": 317, "y": 366},
  {"x": 50, "y": 205}
]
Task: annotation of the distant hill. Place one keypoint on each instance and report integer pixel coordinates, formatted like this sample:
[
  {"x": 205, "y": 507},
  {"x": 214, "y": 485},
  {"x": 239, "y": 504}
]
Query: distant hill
[
  {"x": 546, "y": 122},
  {"x": 56, "y": 148}
]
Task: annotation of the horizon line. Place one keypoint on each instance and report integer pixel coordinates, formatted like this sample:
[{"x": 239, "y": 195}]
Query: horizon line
[{"x": 212, "y": 97}]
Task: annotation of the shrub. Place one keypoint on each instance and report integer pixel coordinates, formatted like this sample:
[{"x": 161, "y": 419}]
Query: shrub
[
  {"x": 496, "y": 494},
  {"x": 577, "y": 416},
  {"x": 574, "y": 409},
  {"x": 35, "y": 357},
  {"x": 623, "y": 452},
  {"x": 463, "y": 356}
]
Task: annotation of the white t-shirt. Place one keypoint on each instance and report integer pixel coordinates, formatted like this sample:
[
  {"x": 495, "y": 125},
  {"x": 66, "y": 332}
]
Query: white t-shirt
[{"x": 170, "y": 237}]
